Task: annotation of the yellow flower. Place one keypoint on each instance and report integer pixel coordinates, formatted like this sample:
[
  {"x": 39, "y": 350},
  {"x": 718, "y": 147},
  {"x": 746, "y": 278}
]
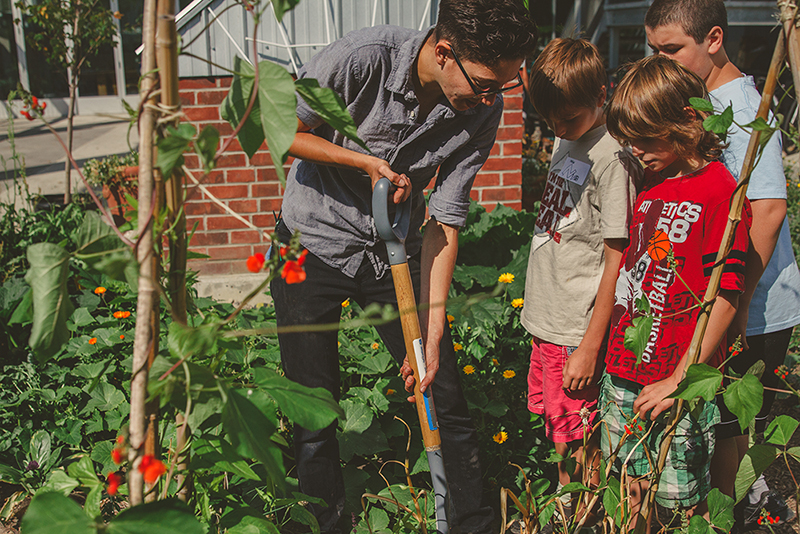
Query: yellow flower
[
  {"x": 390, "y": 391},
  {"x": 346, "y": 303},
  {"x": 508, "y": 373},
  {"x": 469, "y": 369},
  {"x": 458, "y": 346},
  {"x": 93, "y": 341},
  {"x": 99, "y": 290},
  {"x": 450, "y": 318},
  {"x": 375, "y": 346},
  {"x": 495, "y": 362},
  {"x": 339, "y": 343},
  {"x": 506, "y": 278},
  {"x": 517, "y": 303},
  {"x": 500, "y": 437}
]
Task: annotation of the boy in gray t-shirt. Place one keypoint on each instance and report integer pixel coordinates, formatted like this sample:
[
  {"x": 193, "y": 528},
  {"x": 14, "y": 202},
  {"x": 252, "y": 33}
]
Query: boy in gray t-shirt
[{"x": 577, "y": 245}]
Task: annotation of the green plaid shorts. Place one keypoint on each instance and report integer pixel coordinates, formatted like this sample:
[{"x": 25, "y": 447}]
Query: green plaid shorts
[{"x": 686, "y": 479}]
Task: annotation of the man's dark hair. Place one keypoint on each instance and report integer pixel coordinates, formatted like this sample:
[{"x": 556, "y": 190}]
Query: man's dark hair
[
  {"x": 696, "y": 17},
  {"x": 485, "y": 31}
]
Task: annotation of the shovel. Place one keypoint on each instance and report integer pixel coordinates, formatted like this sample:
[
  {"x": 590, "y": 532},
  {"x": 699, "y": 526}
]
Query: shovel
[{"x": 394, "y": 235}]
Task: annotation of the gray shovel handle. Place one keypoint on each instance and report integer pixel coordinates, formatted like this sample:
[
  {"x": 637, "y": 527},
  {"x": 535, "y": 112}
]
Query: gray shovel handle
[{"x": 393, "y": 233}]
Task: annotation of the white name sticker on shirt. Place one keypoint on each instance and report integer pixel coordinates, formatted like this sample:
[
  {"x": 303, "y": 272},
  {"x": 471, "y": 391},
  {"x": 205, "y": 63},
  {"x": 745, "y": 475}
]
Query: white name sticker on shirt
[{"x": 574, "y": 171}]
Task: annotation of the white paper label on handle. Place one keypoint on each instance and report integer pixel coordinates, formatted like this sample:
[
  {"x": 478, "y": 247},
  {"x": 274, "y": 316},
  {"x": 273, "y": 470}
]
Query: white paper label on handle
[{"x": 419, "y": 353}]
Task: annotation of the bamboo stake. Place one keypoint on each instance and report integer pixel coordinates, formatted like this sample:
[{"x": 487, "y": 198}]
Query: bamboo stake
[
  {"x": 167, "y": 59},
  {"x": 734, "y": 217},
  {"x": 789, "y": 21},
  {"x": 146, "y": 337}
]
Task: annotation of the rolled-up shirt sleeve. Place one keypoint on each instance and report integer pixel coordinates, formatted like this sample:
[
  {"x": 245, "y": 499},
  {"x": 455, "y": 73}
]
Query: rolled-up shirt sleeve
[{"x": 449, "y": 202}]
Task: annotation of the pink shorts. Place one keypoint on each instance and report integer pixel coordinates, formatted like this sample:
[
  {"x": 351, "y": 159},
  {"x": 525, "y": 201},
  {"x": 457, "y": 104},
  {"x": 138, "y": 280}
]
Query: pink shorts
[{"x": 568, "y": 414}]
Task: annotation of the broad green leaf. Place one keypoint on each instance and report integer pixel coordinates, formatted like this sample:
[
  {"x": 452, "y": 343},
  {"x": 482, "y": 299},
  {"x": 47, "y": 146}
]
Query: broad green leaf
[
  {"x": 277, "y": 104},
  {"x": 743, "y": 398},
  {"x": 720, "y": 510},
  {"x": 94, "y": 237},
  {"x": 60, "y": 482},
  {"x": 611, "y": 497},
  {"x": 40, "y": 448},
  {"x": 759, "y": 124},
  {"x": 251, "y": 136},
  {"x": 172, "y": 146},
  {"x": 643, "y": 304},
  {"x": 101, "y": 453},
  {"x": 358, "y": 416},
  {"x": 221, "y": 454},
  {"x": 701, "y": 380},
  {"x": 701, "y": 104},
  {"x": 164, "y": 517},
  {"x": 185, "y": 341},
  {"x": 755, "y": 461},
  {"x": 47, "y": 276},
  {"x": 699, "y": 525},
  {"x": 23, "y": 313},
  {"x": 539, "y": 486},
  {"x": 794, "y": 452},
  {"x": 367, "y": 443},
  {"x": 282, "y": 6},
  {"x": 119, "y": 265},
  {"x": 83, "y": 471},
  {"x": 250, "y": 432},
  {"x": 9, "y": 474},
  {"x": 253, "y": 525},
  {"x": 496, "y": 408},
  {"x": 421, "y": 465},
  {"x": 375, "y": 364},
  {"x": 466, "y": 275},
  {"x": 719, "y": 124},
  {"x": 637, "y": 334},
  {"x": 91, "y": 506},
  {"x": 105, "y": 397},
  {"x": 51, "y": 512},
  {"x": 81, "y": 317},
  {"x": 311, "y": 408},
  {"x": 780, "y": 430},
  {"x": 547, "y": 513},
  {"x": 206, "y": 147},
  {"x": 573, "y": 487},
  {"x": 330, "y": 107},
  {"x": 302, "y": 515}
]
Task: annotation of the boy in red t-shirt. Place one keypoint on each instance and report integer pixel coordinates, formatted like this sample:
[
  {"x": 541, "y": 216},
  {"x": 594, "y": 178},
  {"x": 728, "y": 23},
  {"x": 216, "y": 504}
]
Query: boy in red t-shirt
[{"x": 677, "y": 227}]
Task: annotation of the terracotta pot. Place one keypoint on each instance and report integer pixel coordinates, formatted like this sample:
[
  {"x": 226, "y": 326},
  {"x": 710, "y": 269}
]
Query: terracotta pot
[{"x": 115, "y": 195}]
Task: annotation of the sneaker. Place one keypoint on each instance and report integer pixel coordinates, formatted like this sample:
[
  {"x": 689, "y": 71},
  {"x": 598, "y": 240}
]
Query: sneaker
[{"x": 772, "y": 502}]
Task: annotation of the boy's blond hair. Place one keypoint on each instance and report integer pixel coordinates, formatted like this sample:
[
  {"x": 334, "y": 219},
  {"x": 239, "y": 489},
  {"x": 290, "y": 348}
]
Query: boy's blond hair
[
  {"x": 568, "y": 73},
  {"x": 652, "y": 102}
]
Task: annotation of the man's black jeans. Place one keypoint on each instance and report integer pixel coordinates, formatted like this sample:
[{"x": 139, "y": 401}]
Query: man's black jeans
[{"x": 312, "y": 359}]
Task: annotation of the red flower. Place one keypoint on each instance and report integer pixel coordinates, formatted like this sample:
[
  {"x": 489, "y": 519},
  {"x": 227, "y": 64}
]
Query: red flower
[
  {"x": 283, "y": 251},
  {"x": 116, "y": 455},
  {"x": 120, "y": 439},
  {"x": 256, "y": 262},
  {"x": 628, "y": 430},
  {"x": 114, "y": 480},
  {"x": 151, "y": 468},
  {"x": 27, "y": 115},
  {"x": 34, "y": 102},
  {"x": 640, "y": 428},
  {"x": 44, "y": 105},
  {"x": 293, "y": 271}
]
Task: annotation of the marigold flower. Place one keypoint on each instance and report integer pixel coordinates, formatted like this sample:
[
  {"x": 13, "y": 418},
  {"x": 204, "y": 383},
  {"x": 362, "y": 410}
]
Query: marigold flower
[
  {"x": 93, "y": 341},
  {"x": 390, "y": 391},
  {"x": 518, "y": 303},
  {"x": 506, "y": 278},
  {"x": 293, "y": 271},
  {"x": 99, "y": 290},
  {"x": 500, "y": 437},
  {"x": 122, "y": 336},
  {"x": 256, "y": 262},
  {"x": 116, "y": 455},
  {"x": 376, "y": 346},
  {"x": 450, "y": 318},
  {"x": 121, "y": 314},
  {"x": 495, "y": 361},
  {"x": 114, "y": 480},
  {"x": 346, "y": 303},
  {"x": 508, "y": 373},
  {"x": 458, "y": 346},
  {"x": 117, "y": 15},
  {"x": 469, "y": 369},
  {"x": 151, "y": 468}
]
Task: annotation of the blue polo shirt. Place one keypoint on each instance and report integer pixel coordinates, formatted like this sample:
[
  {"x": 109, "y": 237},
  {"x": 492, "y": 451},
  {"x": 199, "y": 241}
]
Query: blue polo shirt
[{"x": 371, "y": 70}]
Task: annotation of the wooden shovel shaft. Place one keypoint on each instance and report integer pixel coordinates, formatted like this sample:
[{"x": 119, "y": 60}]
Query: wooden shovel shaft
[{"x": 412, "y": 334}]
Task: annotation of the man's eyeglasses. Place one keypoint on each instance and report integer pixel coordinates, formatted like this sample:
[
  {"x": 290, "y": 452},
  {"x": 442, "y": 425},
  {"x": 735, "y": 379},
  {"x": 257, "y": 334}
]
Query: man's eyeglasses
[{"x": 484, "y": 92}]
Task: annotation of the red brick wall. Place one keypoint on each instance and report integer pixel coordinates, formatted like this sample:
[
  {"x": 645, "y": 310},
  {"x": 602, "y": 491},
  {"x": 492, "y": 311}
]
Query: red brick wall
[{"x": 251, "y": 187}]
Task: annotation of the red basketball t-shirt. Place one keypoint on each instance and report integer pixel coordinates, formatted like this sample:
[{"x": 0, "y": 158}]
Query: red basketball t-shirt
[{"x": 686, "y": 214}]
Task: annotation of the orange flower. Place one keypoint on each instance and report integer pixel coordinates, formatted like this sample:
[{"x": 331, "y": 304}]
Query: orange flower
[
  {"x": 99, "y": 290},
  {"x": 121, "y": 314},
  {"x": 117, "y": 15},
  {"x": 93, "y": 341},
  {"x": 151, "y": 468},
  {"x": 114, "y": 480},
  {"x": 122, "y": 336},
  {"x": 390, "y": 391},
  {"x": 376, "y": 346},
  {"x": 116, "y": 455},
  {"x": 293, "y": 271},
  {"x": 256, "y": 262},
  {"x": 508, "y": 373}
]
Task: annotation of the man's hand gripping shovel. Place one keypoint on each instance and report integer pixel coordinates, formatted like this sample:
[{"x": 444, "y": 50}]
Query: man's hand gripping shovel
[{"x": 394, "y": 234}]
